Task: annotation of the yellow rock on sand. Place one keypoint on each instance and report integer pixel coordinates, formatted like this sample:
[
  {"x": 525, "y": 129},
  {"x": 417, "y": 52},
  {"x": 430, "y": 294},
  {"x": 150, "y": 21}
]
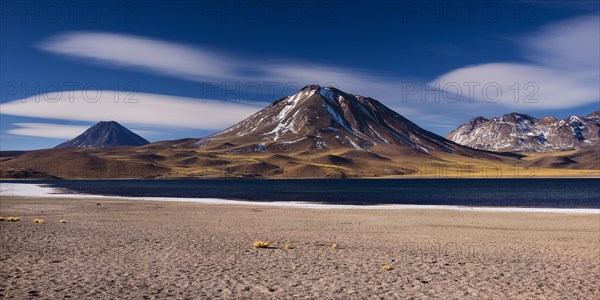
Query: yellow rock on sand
[
  {"x": 288, "y": 246},
  {"x": 334, "y": 246},
  {"x": 62, "y": 221},
  {"x": 2, "y": 219},
  {"x": 38, "y": 221},
  {"x": 260, "y": 244},
  {"x": 387, "y": 267},
  {"x": 12, "y": 219}
]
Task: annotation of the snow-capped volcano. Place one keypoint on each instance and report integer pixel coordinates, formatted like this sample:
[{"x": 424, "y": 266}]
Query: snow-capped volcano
[
  {"x": 326, "y": 119},
  {"x": 105, "y": 134},
  {"x": 521, "y": 132}
]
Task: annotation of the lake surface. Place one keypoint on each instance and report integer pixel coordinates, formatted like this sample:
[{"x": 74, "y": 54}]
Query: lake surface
[{"x": 552, "y": 193}]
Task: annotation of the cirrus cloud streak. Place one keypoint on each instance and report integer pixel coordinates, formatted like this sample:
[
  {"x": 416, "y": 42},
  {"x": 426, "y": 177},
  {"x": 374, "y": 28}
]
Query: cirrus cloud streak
[
  {"x": 47, "y": 130},
  {"x": 152, "y": 110},
  {"x": 564, "y": 70}
]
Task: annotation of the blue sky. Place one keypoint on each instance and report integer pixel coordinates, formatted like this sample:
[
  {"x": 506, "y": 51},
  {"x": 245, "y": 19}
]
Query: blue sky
[{"x": 175, "y": 69}]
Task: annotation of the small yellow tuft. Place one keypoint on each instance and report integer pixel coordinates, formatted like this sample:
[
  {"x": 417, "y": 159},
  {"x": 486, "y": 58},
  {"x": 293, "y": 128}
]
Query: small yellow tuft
[
  {"x": 260, "y": 244},
  {"x": 334, "y": 246},
  {"x": 62, "y": 221},
  {"x": 38, "y": 221},
  {"x": 387, "y": 267},
  {"x": 288, "y": 246}
]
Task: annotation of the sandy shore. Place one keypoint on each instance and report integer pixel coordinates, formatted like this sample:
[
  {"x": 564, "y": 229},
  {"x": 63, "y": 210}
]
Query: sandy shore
[{"x": 144, "y": 249}]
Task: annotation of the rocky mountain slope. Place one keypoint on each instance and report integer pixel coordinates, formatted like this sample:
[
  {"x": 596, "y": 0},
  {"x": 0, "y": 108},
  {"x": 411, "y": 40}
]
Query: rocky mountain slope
[
  {"x": 523, "y": 133},
  {"x": 105, "y": 134}
]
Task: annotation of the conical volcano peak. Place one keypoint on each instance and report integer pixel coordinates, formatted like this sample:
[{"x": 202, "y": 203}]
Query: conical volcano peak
[
  {"x": 322, "y": 89},
  {"x": 319, "y": 119},
  {"x": 111, "y": 123},
  {"x": 105, "y": 134},
  {"x": 311, "y": 87}
]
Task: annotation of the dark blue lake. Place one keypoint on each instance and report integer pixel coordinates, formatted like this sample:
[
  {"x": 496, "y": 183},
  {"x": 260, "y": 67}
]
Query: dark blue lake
[{"x": 542, "y": 192}]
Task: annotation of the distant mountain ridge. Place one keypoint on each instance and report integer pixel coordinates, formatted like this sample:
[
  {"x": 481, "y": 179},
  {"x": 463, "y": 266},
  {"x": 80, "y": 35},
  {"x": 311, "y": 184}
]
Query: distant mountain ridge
[
  {"x": 105, "y": 134},
  {"x": 319, "y": 132},
  {"x": 524, "y": 133}
]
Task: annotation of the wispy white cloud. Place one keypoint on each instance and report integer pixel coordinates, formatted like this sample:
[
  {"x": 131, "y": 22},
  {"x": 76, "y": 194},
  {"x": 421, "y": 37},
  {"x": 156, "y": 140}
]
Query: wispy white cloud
[
  {"x": 522, "y": 86},
  {"x": 151, "y": 55},
  {"x": 152, "y": 110},
  {"x": 571, "y": 44},
  {"x": 563, "y": 72},
  {"x": 209, "y": 65},
  {"x": 47, "y": 130},
  {"x": 201, "y": 64},
  {"x": 563, "y": 69}
]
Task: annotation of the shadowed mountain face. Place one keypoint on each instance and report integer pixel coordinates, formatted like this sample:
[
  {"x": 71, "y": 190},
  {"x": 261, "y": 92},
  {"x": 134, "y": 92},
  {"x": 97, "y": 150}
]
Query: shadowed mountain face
[
  {"x": 105, "y": 134},
  {"x": 520, "y": 132},
  {"x": 324, "y": 119}
]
